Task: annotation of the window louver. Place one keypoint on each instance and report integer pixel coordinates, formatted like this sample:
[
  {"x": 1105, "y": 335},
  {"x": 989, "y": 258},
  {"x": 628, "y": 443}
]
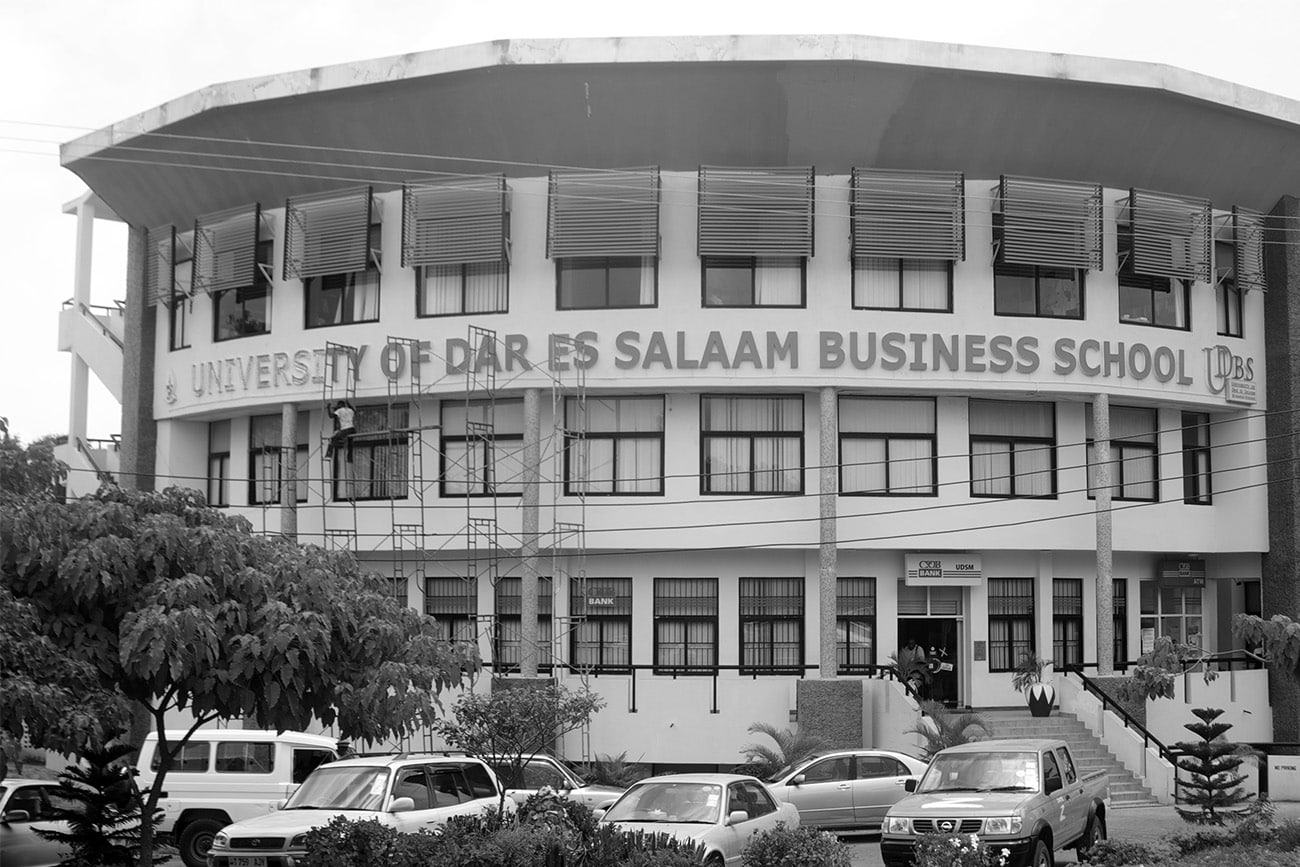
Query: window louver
[
  {"x": 160, "y": 264},
  {"x": 1248, "y": 249},
  {"x": 755, "y": 212},
  {"x": 225, "y": 248},
  {"x": 328, "y": 233},
  {"x": 1171, "y": 235},
  {"x": 1044, "y": 222},
  {"x": 614, "y": 213},
  {"x": 455, "y": 222},
  {"x": 908, "y": 215}
]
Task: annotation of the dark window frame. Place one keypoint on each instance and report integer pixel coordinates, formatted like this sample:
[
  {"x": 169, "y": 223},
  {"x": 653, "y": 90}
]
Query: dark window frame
[
  {"x": 767, "y": 644},
  {"x": 462, "y": 626},
  {"x": 1151, "y": 285},
  {"x": 1006, "y": 269},
  {"x": 844, "y": 649},
  {"x": 572, "y": 440},
  {"x": 1121, "y": 448},
  {"x": 178, "y": 318},
  {"x": 856, "y": 265},
  {"x": 1012, "y": 442},
  {"x": 545, "y": 615},
  {"x": 261, "y": 288},
  {"x": 706, "y": 475},
  {"x": 604, "y": 622},
  {"x": 590, "y": 264},
  {"x": 887, "y": 438},
  {"x": 222, "y": 479},
  {"x": 752, "y": 264},
  {"x": 255, "y": 454},
  {"x": 371, "y": 448},
  {"x": 500, "y": 268},
  {"x": 1119, "y": 619},
  {"x": 1193, "y": 451},
  {"x": 686, "y": 620},
  {"x": 1067, "y": 622},
  {"x": 1010, "y": 648},
  {"x": 491, "y": 456}
]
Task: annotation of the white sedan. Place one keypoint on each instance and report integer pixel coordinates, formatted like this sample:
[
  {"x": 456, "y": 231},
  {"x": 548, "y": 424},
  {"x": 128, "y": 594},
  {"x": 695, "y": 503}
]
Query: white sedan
[
  {"x": 846, "y": 789},
  {"x": 720, "y": 812}
]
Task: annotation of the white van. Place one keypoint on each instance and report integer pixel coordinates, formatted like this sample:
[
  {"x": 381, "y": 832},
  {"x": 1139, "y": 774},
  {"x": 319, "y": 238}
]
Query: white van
[{"x": 224, "y": 776}]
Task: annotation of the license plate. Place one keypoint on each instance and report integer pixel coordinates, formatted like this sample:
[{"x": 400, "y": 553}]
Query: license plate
[{"x": 246, "y": 861}]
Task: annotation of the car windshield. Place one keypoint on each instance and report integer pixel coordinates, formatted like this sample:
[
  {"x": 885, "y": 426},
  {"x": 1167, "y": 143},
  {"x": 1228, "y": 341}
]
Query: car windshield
[
  {"x": 330, "y": 788},
  {"x": 669, "y": 802},
  {"x": 982, "y": 772}
]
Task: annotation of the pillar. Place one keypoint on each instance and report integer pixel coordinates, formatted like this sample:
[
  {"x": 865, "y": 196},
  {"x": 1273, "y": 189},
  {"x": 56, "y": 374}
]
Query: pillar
[
  {"x": 289, "y": 471},
  {"x": 1105, "y": 540},
  {"x": 139, "y": 430},
  {"x": 530, "y": 505},
  {"x": 829, "y": 487}
]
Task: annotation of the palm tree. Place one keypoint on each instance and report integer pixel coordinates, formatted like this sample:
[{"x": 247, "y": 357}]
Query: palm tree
[
  {"x": 791, "y": 747},
  {"x": 942, "y": 728}
]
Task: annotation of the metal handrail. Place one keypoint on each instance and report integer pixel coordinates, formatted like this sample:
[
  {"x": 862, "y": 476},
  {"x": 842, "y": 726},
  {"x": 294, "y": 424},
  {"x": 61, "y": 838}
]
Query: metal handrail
[
  {"x": 100, "y": 473},
  {"x": 88, "y": 310},
  {"x": 1107, "y": 701}
]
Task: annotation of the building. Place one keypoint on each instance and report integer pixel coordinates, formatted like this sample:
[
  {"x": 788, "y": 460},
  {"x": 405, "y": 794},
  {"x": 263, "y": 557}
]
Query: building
[{"x": 717, "y": 368}]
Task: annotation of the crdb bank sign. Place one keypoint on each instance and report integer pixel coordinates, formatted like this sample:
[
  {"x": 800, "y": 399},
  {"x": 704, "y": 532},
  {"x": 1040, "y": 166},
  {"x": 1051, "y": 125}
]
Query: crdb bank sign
[{"x": 943, "y": 570}]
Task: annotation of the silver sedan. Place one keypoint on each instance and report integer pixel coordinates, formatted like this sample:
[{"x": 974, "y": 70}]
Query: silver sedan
[{"x": 846, "y": 789}]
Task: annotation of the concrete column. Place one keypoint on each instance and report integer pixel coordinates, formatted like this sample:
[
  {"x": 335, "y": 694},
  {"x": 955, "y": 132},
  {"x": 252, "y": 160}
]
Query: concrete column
[
  {"x": 1105, "y": 541},
  {"x": 1281, "y": 563},
  {"x": 85, "y": 249},
  {"x": 139, "y": 430},
  {"x": 829, "y": 488},
  {"x": 289, "y": 471},
  {"x": 530, "y": 504}
]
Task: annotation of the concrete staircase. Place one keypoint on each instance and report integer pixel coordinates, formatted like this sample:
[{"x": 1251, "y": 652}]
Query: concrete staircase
[{"x": 1126, "y": 790}]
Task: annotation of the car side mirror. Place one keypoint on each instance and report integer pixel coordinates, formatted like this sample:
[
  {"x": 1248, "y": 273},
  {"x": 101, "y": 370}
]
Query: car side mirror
[
  {"x": 909, "y": 785},
  {"x": 598, "y": 813},
  {"x": 17, "y": 816},
  {"x": 735, "y": 817},
  {"x": 798, "y": 780},
  {"x": 401, "y": 805}
]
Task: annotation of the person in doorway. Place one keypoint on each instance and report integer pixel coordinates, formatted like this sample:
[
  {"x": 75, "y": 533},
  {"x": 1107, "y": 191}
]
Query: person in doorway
[
  {"x": 345, "y": 425},
  {"x": 912, "y": 662}
]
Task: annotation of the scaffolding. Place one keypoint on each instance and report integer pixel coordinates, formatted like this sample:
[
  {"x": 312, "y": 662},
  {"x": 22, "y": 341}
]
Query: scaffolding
[{"x": 339, "y": 384}]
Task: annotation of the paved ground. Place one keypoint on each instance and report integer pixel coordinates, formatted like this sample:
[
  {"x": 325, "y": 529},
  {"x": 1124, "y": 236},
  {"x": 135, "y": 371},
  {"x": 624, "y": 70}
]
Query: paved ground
[{"x": 1140, "y": 824}]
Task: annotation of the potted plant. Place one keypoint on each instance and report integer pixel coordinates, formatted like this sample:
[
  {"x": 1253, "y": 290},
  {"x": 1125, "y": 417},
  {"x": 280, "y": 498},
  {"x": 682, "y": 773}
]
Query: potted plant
[{"x": 1028, "y": 679}]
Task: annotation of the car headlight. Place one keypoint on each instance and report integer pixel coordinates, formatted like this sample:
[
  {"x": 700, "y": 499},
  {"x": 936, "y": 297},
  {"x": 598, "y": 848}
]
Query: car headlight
[
  {"x": 1003, "y": 825},
  {"x": 298, "y": 842},
  {"x": 220, "y": 841},
  {"x": 897, "y": 825}
]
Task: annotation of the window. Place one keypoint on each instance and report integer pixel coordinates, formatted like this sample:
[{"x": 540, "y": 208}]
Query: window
[
  {"x": 344, "y": 299},
  {"x": 193, "y": 759},
  {"x": 453, "y": 604},
  {"x": 601, "y": 640},
  {"x": 829, "y": 770},
  {"x": 1173, "y": 612},
  {"x": 456, "y": 235},
  {"x": 1012, "y": 446},
  {"x": 1037, "y": 290},
  {"x": 265, "y": 467},
  {"x": 750, "y": 281},
  {"x": 751, "y": 445},
  {"x": 306, "y": 760},
  {"x": 1134, "y": 453},
  {"x": 1196, "y": 458},
  {"x": 375, "y": 464},
  {"x": 1067, "y": 621},
  {"x": 928, "y": 601},
  {"x": 758, "y": 801},
  {"x": 855, "y": 625},
  {"x": 686, "y": 625},
  {"x": 332, "y": 244},
  {"x": 1011, "y": 621},
  {"x": 771, "y": 626},
  {"x": 614, "y": 445},
  {"x": 412, "y": 783},
  {"x": 1158, "y": 301},
  {"x": 219, "y": 463},
  {"x": 887, "y": 446},
  {"x": 1051, "y": 773},
  {"x": 507, "y": 648},
  {"x": 606, "y": 282},
  {"x": 1227, "y": 294},
  {"x": 460, "y": 288},
  {"x": 1119, "y": 618},
  {"x": 178, "y": 319},
  {"x": 603, "y": 233},
  {"x": 902, "y": 284},
  {"x": 1158, "y": 260},
  {"x": 245, "y": 310},
  {"x": 482, "y": 448},
  {"x": 245, "y": 758}
]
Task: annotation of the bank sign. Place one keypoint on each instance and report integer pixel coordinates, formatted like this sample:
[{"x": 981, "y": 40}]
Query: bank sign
[
  {"x": 1214, "y": 370},
  {"x": 943, "y": 570}
]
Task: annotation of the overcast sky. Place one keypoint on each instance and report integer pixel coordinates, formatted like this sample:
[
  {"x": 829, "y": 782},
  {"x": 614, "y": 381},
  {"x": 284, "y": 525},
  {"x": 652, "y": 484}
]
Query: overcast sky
[{"x": 72, "y": 66}]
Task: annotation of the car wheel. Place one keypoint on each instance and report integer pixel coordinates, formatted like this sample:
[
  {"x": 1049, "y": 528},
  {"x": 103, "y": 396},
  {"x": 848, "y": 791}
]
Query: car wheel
[
  {"x": 1092, "y": 835},
  {"x": 196, "y": 840},
  {"x": 1042, "y": 854},
  {"x": 715, "y": 860}
]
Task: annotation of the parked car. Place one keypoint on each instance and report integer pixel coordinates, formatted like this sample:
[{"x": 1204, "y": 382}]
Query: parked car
[
  {"x": 1023, "y": 795},
  {"x": 227, "y": 775},
  {"x": 406, "y": 792},
  {"x": 24, "y": 807},
  {"x": 720, "y": 812},
  {"x": 846, "y": 789},
  {"x": 546, "y": 770}
]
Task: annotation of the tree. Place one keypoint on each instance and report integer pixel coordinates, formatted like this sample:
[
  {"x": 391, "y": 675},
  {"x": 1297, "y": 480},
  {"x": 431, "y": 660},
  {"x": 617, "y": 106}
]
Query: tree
[
  {"x": 29, "y": 471},
  {"x": 176, "y": 606},
  {"x": 1279, "y": 636},
  {"x": 1153, "y": 674},
  {"x": 1212, "y": 762},
  {"x": 514, "y": 722},
  {"x": 791, "y": 747}
]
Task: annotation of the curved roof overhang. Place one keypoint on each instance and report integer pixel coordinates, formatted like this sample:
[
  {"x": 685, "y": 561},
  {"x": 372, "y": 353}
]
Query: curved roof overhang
[{"x": 833, "y": 102}]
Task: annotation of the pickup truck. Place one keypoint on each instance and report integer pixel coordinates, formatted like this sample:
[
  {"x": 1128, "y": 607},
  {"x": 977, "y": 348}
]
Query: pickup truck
[{"x": 1023, "y": 795}]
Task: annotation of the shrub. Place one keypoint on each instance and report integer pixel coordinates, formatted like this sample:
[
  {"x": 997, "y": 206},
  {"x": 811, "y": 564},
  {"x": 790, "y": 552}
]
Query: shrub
[
  {"x": 1286, "y": 837},
  {"x": 611, "y": 847},
  {"x": 1119, "y": 853},
  {"x": 616, "y": 770},
  {"x": 942, "y": 728},
  {"x": 957, "y": 850},
  {"x": 795, "y": 847},
  {"x": 343, "y": 843},
  {"x": 568, "y": 817}
]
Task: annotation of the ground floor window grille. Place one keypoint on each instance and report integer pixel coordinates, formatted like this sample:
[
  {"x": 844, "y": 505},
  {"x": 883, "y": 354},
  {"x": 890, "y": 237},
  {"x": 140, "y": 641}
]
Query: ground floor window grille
[
  {"x": 1067, "y": 621},
  {"x": 601, "y": 641},
  {"x": 378, "y": 456},
  {"x": 855, "y": 625},
  {"x": 771, "y": 625},
  {"x": 507, "y": 646},
  {"x": 453, "y": 604},
  {"x": 686, "y": 625},
  {"x": 1011, "y": 621},
  {"x": 1119, "y": 614}
]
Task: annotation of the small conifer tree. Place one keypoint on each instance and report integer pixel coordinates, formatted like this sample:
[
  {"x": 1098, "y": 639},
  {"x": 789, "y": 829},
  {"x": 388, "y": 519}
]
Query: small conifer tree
[{"x": 1214, "y": 788}]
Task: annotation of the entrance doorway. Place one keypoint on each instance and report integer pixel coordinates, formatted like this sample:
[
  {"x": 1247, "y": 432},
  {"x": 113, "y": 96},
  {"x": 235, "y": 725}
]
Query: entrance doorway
[{"x": 939, "y": 637}]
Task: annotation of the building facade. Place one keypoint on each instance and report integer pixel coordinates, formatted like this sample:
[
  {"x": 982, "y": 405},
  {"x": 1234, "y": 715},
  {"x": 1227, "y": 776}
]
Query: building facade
[{"x": 699, "y": 369}]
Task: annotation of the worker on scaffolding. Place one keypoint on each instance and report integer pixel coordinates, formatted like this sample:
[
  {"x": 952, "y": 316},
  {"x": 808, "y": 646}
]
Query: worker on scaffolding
[{"x": 345, "y": 425}]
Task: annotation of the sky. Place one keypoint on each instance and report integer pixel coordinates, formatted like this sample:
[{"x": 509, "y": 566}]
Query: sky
[{"x": 74, "y": 66}]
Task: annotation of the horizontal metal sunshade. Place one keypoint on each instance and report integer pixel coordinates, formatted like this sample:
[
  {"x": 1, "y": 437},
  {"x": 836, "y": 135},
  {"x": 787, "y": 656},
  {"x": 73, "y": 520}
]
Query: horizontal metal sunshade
[
  {"x": 1053, "y": 223},
  {"x": 328, "y": 233},
  {"x": 1171, "y": 235},
  {"x": 225, "y": 248},
  {"x": 908, "y": 215},
  {"x": 455, "y": 222},
  {"x": 756, "y": 212},
  {"x": 1248, "y": 249},
  {"x": 160, "y": 264},
  {"x": 614, "y": 213}
]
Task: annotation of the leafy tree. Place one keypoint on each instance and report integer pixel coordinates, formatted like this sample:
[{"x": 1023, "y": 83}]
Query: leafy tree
[
  {"x": 177, "y": 606},
  {"x": 29, "y": 471},
  {"x": 1212, "y": 763},
  {"x": 514, "y": 722},
  {"x": 791, "y": 747},
  {"x": 1153, "y": 675},
  {"x": 941, "y": 728},
  {"x": 1279, "y": 636}
]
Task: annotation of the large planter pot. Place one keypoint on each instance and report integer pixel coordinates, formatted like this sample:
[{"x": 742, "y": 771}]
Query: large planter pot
[{"x": 1041, "y": 697}]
